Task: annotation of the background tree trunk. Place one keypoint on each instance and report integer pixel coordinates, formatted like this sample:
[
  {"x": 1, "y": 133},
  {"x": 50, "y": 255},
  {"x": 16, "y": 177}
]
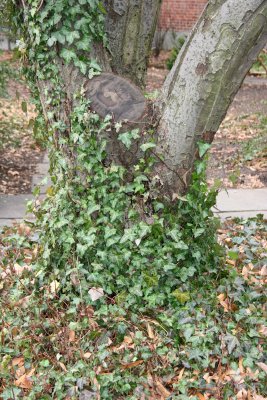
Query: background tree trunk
[
  {"x": 130, "y": 26},
  {"x": 202, "y": 83}
]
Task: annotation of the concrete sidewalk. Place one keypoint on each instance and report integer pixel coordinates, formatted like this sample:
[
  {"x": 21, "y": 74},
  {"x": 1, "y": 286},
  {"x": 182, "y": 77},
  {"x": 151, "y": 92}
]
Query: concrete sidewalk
[{"x": 242, "y": 203}]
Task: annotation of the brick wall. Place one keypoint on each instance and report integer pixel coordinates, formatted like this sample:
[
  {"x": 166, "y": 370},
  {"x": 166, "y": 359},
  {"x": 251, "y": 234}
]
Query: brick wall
[{"x": 180, "y": 15}]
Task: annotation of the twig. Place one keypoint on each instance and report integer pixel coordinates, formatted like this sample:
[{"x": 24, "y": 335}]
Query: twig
[{"x": 40, "y": 5}]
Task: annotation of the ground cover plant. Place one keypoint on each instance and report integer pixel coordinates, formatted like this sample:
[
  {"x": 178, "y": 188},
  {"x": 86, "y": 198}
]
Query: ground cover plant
[
  {"x": 207, "y": 343},
  {"x": 121, "y": 289}
]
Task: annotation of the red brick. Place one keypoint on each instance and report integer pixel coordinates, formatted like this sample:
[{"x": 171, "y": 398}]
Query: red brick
[{"x": 180, "y": 15}]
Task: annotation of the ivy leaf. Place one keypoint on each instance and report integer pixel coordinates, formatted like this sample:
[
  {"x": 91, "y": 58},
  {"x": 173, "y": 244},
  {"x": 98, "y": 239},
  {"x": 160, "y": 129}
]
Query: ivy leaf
[
  {"x": 56, "y": 18},
  {"x": 232, "y": 342},
  {"x": 93, "y": 208},
  {"x": 81, "y": 65},
  {"x": 60, "y": 37},
  {"x": 203, "y": 148},
  {"x": 102, "y": 8},
  {"x": 83, "y": 44},
  {"x": 68, "y": 55},
  {"x": 51, "y": 41},
  {"x": 72, "y": 36},
  {"x": 146, "y": 146},
  {"x": 94, "y": 64},
  {"x": 128, "y": 235},
  {"x": 233, "y": 255},
  {"x": 181, "y": 297},
  {"x": 127, "y": 137}
]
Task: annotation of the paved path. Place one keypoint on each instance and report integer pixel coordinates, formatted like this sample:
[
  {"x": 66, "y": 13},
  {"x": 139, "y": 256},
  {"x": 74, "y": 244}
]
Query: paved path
[
  {"x": 13, "y": 207},
  {"x": 242, "y": 203}
]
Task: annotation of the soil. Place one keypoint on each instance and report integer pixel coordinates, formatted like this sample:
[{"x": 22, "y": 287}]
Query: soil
[{"x": 19, "y": 153}]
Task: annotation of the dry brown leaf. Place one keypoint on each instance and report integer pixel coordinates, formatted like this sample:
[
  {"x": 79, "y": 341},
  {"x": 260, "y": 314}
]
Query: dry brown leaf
[
  {"x": 162, "y": 390},
  {"x": 263, "y": 330},
  {"x": 262, "y": 366},
  {"x": 71, "y": 336},
  {"x": 54, "y": 285},
  {"x": 132, "y": 364},
  {"x": 242, "y": 395},
  {"x": 150, "y": 332},
  {"x": 18, "y": 361},
  {"x": 200, "y": 396},
  {"x": 128, "y": 339},
  {"x": 222, "y": 302},
  {"x": 63, "y": 366},
  {"x": 19, "y": 269},
  {"x": 240, "y": 364},
  {"x": 20, "y": 371},
  {"x": 24, "y": 382},
  {"x": 181, "y": 374},
  {"x": 87, "y": 355}
]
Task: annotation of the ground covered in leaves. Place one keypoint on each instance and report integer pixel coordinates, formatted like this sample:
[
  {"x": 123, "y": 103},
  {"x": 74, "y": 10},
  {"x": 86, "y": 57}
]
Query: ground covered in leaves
[
  {"x": 52, "y": 348},
  {"x": 19, "y": 152},
  {"x": 238, "y": 156}
]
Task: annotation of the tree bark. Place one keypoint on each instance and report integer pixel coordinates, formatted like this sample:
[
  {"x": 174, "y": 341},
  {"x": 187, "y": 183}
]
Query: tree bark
[
  {"x": 130, "y": 26},
  {"x": 201, "y": 86}
]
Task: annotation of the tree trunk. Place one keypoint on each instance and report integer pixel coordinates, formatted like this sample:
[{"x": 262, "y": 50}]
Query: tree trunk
[
  {"x": 196, "y": 94},
  {"x": 130, "y": 25},
  {"x": 201, "y": 85}
]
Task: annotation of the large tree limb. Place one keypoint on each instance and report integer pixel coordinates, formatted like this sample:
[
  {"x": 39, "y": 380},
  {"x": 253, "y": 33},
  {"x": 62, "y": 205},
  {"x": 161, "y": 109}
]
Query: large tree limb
[{"x": 204, "y": 80}]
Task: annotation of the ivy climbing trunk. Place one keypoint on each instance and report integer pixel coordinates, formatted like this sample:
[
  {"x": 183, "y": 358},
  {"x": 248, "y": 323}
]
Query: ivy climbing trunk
[{"x": 196, "y": 94}]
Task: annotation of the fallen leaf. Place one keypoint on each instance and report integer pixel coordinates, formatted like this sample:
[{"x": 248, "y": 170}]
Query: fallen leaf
[
  {"x": 71, "y": 336},
  {"x": 222, "y": 302},
  {"x": 87, "y": 355},
  {"x": 19, "y": 269},
  {"x": 96, "y": 293},
  {"x": 132, "y": 364},
  {"x": 54, "y": 286},
  {"x": 200, "y": 396},
  {"x": 242, "y": 395},
  {"x": 262, "y": 366},
  {"x": 162, "y": 390},
  {"x": 24, "y": 382},
  {"x": 18, "y": 361},
  {"x": 128, "y": 339},
  {"x": 263, "y": 330},
  {"x": 20, "y": 371},
  {"x": 63, "y": 366},
  {"x": 150, "y": 332}
]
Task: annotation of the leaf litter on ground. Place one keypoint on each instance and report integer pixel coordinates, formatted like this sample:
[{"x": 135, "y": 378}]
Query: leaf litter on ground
[{"x": 222, "y": 335}]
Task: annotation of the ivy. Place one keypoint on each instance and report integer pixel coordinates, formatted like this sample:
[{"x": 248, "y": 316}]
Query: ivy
[{"x": 116, "y": 265}]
